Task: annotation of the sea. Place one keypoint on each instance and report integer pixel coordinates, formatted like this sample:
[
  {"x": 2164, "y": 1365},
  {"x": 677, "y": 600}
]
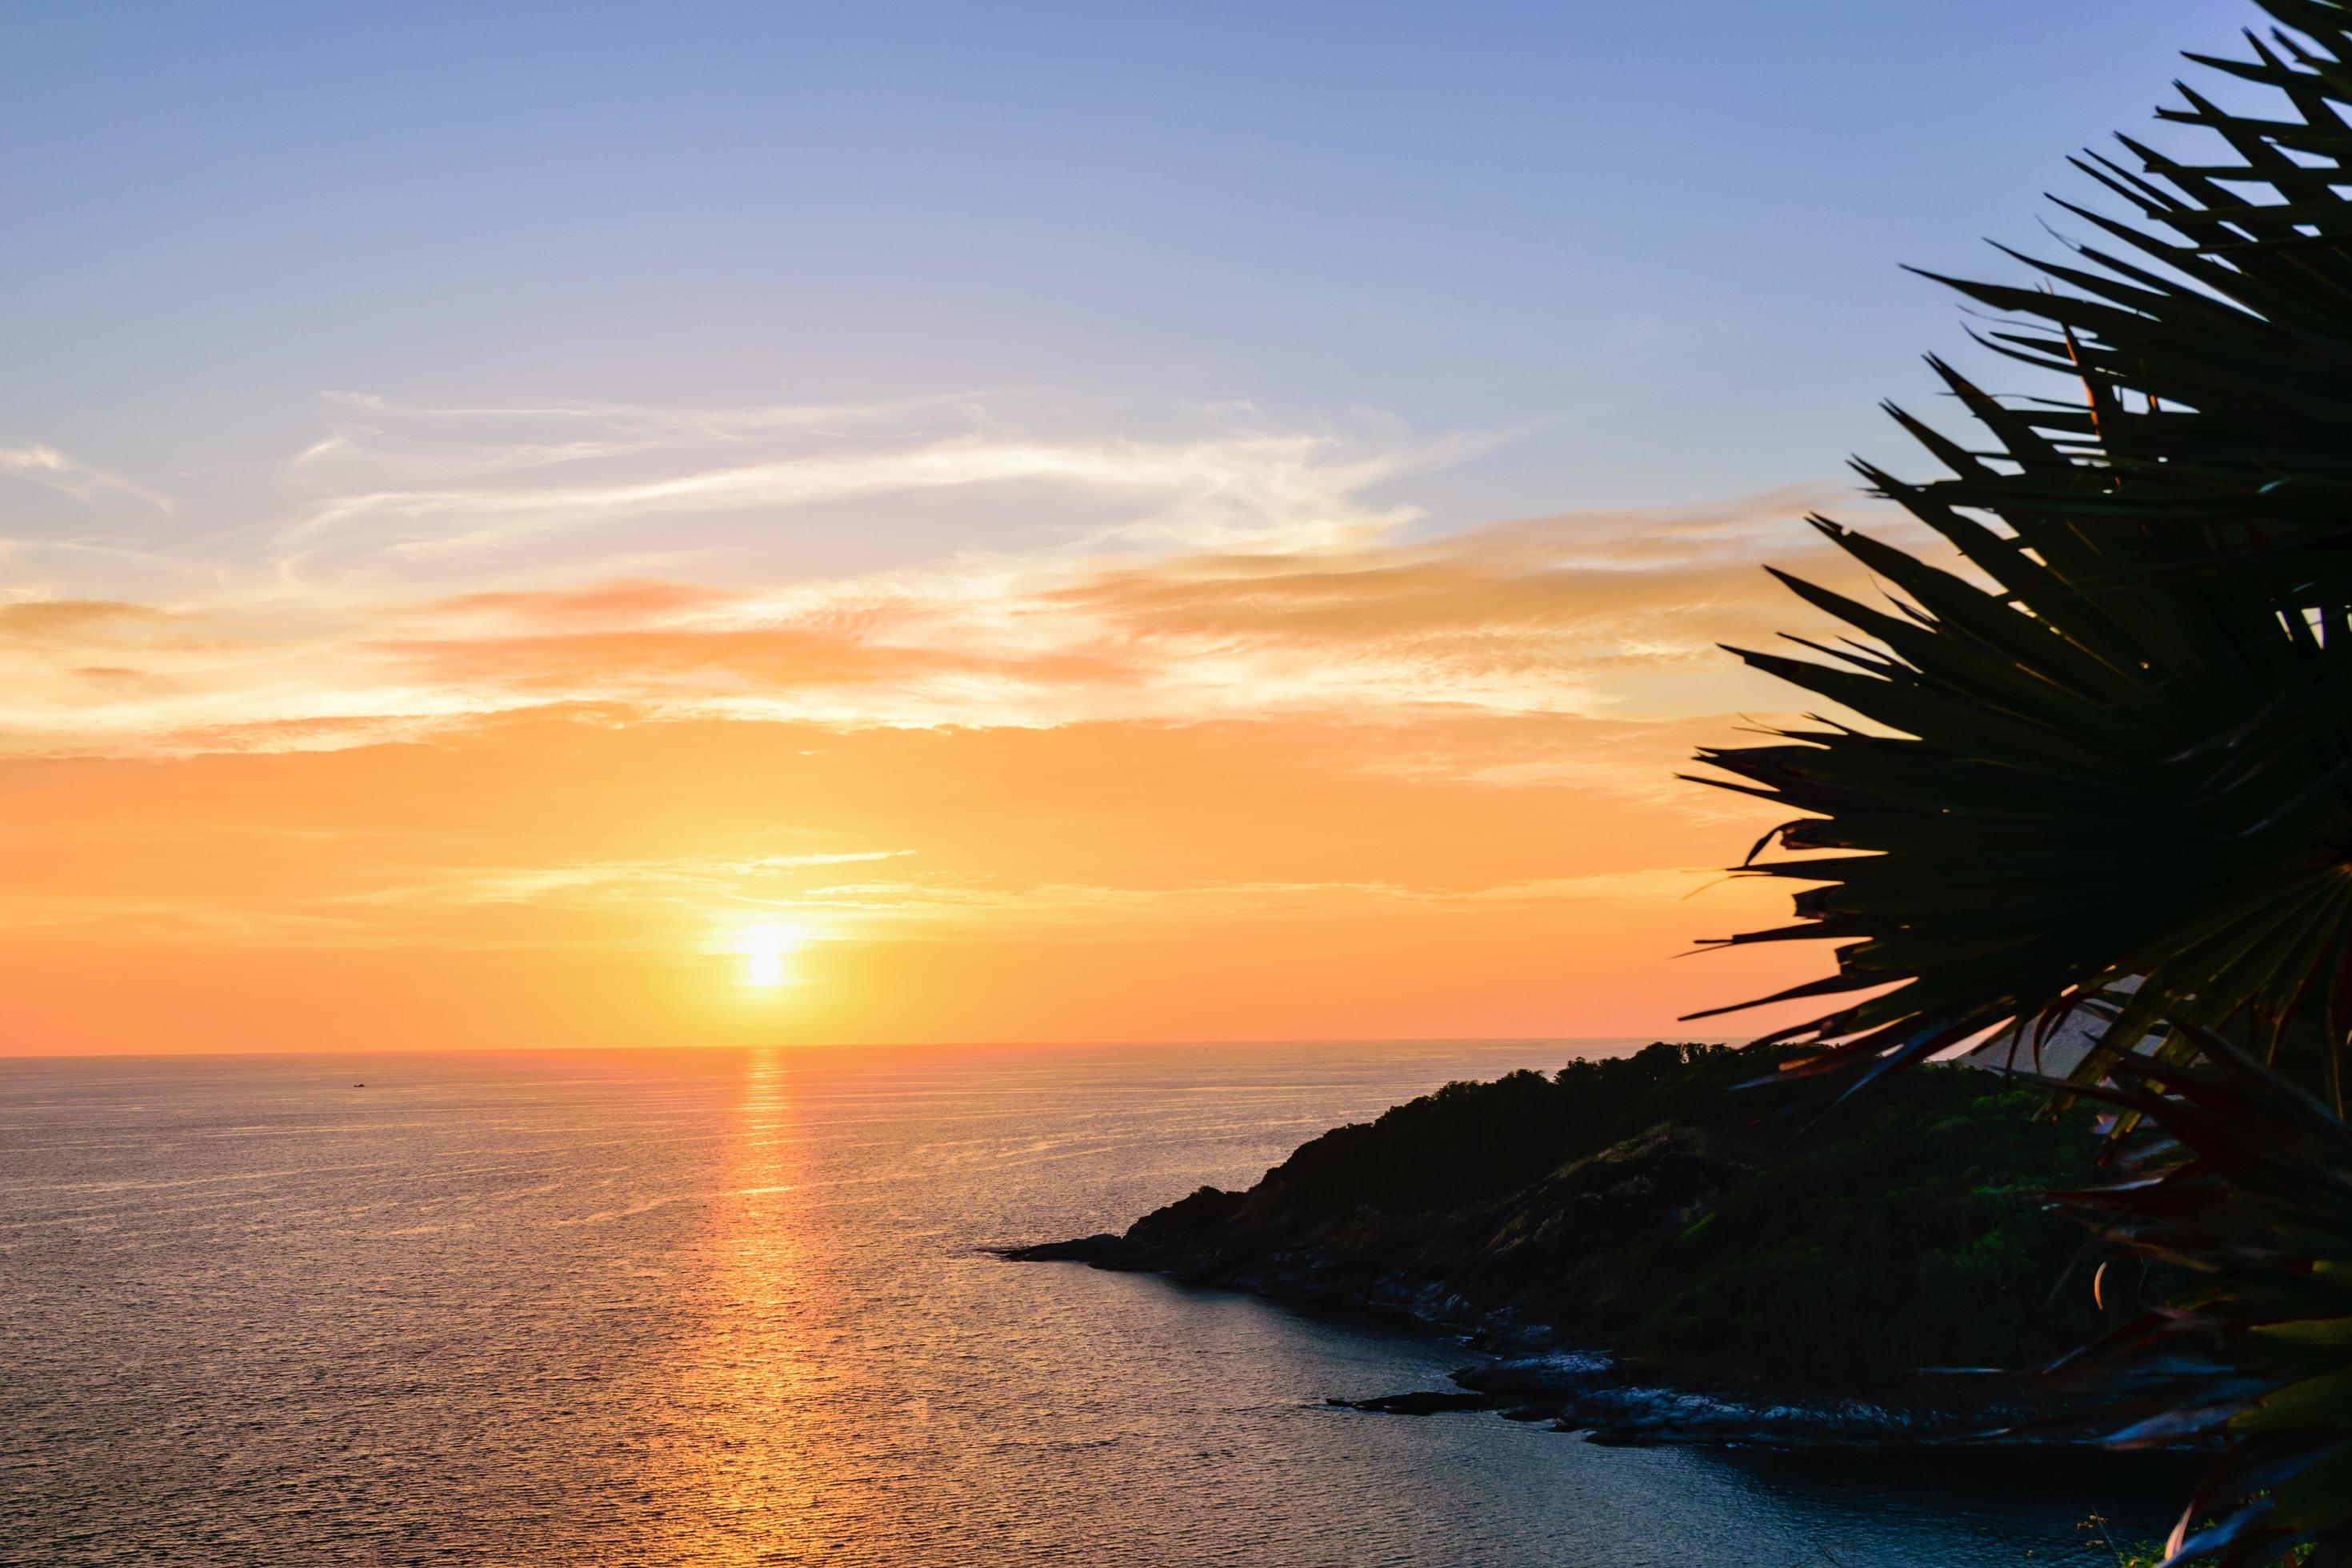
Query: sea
[{"x": 737, "y": 1307}]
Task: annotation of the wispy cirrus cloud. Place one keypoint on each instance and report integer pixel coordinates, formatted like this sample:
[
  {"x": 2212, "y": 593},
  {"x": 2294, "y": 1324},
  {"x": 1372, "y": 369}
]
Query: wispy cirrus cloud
[
  {"x": 399, "y": 489},
  {"x": 63, "y": 622},
  {"x": 686, "y": 562},
  {"x": 1589, "y": 612},
  {"x": 45, "y": 465},
  {"x": 697, "y": 883}
]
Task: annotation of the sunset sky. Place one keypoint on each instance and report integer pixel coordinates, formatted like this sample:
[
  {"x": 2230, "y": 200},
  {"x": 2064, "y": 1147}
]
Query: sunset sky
[{"x": 699, "y": 525}]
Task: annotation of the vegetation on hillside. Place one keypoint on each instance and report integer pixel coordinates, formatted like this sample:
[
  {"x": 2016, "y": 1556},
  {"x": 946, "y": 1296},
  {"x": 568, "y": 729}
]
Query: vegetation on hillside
[
  {"x": 2113, "y": 739},
  {"x": 1641, "y": 1204}
]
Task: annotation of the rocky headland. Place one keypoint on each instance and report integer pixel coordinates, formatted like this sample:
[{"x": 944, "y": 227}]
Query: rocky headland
[{"x": 1640, "y": 1250}]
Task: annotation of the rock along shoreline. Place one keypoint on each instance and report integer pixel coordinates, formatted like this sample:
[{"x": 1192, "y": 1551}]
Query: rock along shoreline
[{"x": 1526, "y": 1373}]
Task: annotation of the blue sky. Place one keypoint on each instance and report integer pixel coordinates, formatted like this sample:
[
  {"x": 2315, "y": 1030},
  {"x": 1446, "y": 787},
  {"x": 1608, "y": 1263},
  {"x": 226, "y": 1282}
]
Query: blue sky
[{"x": 1661, "y": 242}]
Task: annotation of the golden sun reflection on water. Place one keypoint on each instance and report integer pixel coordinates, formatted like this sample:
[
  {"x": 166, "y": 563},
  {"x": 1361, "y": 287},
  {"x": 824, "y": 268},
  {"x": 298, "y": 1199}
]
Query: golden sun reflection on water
[{"x": 738, "y": 1470}]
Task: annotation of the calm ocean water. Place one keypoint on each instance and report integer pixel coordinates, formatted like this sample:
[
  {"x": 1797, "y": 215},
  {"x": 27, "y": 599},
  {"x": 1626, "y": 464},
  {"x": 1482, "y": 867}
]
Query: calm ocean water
[{"x": 728, "y": 1307}]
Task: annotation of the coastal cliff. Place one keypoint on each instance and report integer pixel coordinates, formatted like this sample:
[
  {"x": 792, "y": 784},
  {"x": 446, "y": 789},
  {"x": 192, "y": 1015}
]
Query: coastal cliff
[{"x": 1651, "y": 1253}]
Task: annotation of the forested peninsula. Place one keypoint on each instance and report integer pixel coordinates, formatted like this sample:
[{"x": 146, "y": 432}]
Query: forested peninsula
[{"x": 1644, "y": 1249}]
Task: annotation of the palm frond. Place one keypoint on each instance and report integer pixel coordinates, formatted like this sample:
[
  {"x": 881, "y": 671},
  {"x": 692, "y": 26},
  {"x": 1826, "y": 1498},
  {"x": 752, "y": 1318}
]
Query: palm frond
[{"x": 2114, "y": 738}]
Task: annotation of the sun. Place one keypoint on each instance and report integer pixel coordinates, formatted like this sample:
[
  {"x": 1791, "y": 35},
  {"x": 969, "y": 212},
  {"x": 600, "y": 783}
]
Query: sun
[{"x": 764, "y": 948}]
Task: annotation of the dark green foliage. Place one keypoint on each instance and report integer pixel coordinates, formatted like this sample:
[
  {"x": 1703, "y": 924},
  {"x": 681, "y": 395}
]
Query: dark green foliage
[
  {"x": 1646, "y": 1204},
  {"x": 1470, "y": 1142},
  {"x": 1911, "y": 1232}
]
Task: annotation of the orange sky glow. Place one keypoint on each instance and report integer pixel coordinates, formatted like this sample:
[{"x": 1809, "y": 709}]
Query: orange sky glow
[{"x": 450, "y": 756}]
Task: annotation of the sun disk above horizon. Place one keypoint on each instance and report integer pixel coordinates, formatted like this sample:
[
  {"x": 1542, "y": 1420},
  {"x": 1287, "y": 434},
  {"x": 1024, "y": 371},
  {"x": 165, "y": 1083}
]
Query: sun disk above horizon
[{"x": 765, "y": 947}]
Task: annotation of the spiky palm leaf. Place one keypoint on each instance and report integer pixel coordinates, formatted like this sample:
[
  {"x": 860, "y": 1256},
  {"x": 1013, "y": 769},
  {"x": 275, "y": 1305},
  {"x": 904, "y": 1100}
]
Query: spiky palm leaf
[{"x": 2114, "y": 739}]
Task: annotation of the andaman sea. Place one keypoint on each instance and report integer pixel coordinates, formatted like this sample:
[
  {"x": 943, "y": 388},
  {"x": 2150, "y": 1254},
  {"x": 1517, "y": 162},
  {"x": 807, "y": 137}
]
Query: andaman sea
[{"x": 733, "y": 1307}]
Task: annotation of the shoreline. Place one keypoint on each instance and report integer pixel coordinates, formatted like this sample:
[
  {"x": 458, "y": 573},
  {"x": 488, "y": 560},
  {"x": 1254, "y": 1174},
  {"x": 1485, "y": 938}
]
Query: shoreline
[{"x": 1530, "y": 1371}]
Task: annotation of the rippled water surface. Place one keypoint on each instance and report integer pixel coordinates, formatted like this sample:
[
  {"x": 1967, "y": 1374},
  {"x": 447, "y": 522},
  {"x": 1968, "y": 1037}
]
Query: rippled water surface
[{"x": 730, "y": 1308}]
